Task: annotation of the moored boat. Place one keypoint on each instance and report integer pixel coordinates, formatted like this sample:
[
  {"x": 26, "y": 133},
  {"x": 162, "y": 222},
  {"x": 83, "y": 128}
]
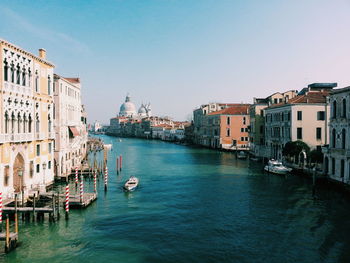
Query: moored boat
[
  {"x": 131, "y": 184},
  {"x": 276, "y": 167}
]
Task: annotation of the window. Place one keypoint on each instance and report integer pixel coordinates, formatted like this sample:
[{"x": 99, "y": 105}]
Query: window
[
  {"x": 288, "y": 116},
  {"x": 18, "y": 71},
  {"x": 246, "y": 139},
  {"x": 228, "y": 120},
  {"x": 242, "y": 129},
  {"x": 49, "y": 85},
  {"x": 242, "y": 139},
  {"x": 342, "y": 168},
  {"x": 12, "y": 73},
  {"x": 333, "y": 166},
  {"x": 344, "y": 108},
  {"x": 261, "y": 129},
  {"x": 228, "y": 133},
  {"x": 246, "y": 129},
  {"x": 31, "y": 169},
  {"x": 49, "y": 165},
  {"x": 333, "y": 138},
  {"x": 23, "y": 77},
  {"x": 244, "y": 120},
  {"x": 299, "y": 115},
  {"x": 343, "y": 139},
  {"x": 320, "y": 115},
  {"x": 36, "y": 82},
  {"x": 299, "y": 133},
  {"x": 280, "y": 100},
  {"x": 275, "y": 101},
  {"x": 50, "y": 147},
  {"x": 38, "y": 168},
  {"x": 6, "y": 76},
  {"x": 318, "y": 133},
  {"x": 334, "y": 109},
  {"x": 38, "y": 150}
]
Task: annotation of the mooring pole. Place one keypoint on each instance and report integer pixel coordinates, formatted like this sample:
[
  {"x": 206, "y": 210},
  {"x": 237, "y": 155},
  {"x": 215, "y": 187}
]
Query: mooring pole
[
  {"x": 67, "y": 201},
  {"x": 106, "y": 178}
]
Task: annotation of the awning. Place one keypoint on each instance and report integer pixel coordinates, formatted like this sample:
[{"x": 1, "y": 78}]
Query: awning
[{"x": 74, "y": 131}]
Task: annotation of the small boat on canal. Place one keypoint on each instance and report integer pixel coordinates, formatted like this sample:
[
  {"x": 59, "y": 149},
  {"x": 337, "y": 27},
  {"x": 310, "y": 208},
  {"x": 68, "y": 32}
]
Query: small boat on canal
[
  {"x": 276, "y": 167},
  {"x": 131, "y": 184}
]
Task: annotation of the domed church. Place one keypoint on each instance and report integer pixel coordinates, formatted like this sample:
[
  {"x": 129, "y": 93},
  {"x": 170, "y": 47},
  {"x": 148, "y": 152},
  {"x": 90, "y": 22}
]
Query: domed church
[{"x": 128, "y": 109}]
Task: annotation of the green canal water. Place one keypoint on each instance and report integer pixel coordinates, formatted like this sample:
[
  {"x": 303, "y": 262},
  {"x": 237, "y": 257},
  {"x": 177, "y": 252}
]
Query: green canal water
[{"x": 194, "y": 205}]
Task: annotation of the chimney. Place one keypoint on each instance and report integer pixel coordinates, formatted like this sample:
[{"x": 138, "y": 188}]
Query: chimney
[{"x": 42, "y": 53}]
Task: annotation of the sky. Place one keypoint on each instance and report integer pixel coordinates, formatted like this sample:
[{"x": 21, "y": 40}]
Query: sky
[{"x": 179, "y": 54}]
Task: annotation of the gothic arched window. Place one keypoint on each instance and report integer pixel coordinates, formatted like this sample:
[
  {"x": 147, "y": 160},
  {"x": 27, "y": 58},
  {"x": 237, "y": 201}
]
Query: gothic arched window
[
  {"x": 333, "y": 138},
  {"x": 335, "y": 109},
  {"x": 18, "y": 71},
  {"x": 6, "y": 76},
  {"x": 344, "y": 108}
]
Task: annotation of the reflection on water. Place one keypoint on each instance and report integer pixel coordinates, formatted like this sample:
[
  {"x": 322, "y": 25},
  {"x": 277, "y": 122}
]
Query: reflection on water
[{"x": 194, "y": 205}]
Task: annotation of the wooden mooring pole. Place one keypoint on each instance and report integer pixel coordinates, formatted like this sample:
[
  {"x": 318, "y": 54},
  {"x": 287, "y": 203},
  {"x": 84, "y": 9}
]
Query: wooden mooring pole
[{"x": 67, "y": 202}]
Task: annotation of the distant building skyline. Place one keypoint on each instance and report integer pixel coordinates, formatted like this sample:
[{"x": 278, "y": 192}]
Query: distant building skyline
[{"x": 180, "y": 54}]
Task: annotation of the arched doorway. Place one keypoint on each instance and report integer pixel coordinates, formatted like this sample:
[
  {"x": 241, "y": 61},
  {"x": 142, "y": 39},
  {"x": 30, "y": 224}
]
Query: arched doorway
[{"x": 18, "y": 172}]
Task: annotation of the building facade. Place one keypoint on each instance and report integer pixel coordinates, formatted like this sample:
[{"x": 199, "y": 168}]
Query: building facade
[
  {"x": 26, "y": 116},
  {"x": 257, "y": 120},
  {"x": 70, "y": 125},
  {"x": 337, "y": 153},
  {"x": 304, "y": 117}
]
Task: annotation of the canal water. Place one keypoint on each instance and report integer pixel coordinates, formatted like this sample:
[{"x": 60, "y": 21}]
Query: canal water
[{"x": 194, "y": 205}]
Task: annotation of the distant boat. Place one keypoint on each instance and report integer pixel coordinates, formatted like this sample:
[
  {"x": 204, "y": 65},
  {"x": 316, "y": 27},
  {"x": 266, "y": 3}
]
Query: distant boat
[
  {"x": 276, "y": 167},
  {"x": 242, "y": 155},
  {"x": 131, "y": 184}
]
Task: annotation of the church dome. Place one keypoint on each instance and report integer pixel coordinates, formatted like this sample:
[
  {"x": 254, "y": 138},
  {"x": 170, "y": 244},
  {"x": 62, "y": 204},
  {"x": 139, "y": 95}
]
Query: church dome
[
  {"x": 142, "y": 110},
  {"x": 127, "y": 109}
]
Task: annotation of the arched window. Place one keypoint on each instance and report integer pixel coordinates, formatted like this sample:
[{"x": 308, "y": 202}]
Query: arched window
[
  {"x": 13, "y": 120},
  {"x": 18, "y": 71},
  {"x": 333, "y": 138},
  {"x": 6, "y": 67},
  {"x": 49, "y": 123},
  {"x": 29, "y": 78},
  {"x": 343, "y": 139},
  {"x": 12, "y": 73},
  {"x": 344, "y": 108},
  {"x": 36, "y": 81},
  {"x": 30, "y": 121},
  {"x": 19, "y": 122},
  {"x": 49, "y": 85},
  {"x": 24, "y": 76},
  {"x": 24, "y": 123},
  {"x": 335, "y": 109},
  {"x": 7, "y": 122},
  {"x": 37, "y": 124}
]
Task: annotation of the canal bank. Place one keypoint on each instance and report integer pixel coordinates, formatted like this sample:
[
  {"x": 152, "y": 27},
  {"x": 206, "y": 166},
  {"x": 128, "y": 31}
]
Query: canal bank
[{"x": 194, "y": 205}]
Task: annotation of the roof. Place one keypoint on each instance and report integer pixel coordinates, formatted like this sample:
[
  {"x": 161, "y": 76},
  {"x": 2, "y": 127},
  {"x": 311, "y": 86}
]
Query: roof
[
  {"x": 312, "y": 97},
  {"x": 242, "y": 109},
  {"x": 19, "y": 49},
  {"x": 335, "y": 91},
  {"x": 73, "y": 80}
]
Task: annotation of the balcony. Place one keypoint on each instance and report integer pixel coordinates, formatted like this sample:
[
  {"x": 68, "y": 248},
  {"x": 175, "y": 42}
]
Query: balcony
[
  {"x": 39, "y": 136},
  {"x": 51, "y": 135},
  {"x": 16, "y": 137}
]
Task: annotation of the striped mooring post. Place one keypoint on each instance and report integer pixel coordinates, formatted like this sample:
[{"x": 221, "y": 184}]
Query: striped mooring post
[
  {"x": 67, "y": 201},
  {"x": 106, "y": 178},
  {"x": 81, "y": 188},
  {"x": 76, "y": 175},
  {"x": 95, "y": 188},
  {"x": 120, "y": 162}
]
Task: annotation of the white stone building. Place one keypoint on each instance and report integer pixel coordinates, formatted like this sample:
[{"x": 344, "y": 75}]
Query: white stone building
[
  {"x": 337, "y": 154},
  {"x": 70, "y": 125},
  {"x": 26, "y": 130}
]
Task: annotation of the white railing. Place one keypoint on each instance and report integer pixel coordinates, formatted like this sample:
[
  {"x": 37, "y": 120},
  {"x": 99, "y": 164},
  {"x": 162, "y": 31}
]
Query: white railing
[{"x": 16, "y": 137}]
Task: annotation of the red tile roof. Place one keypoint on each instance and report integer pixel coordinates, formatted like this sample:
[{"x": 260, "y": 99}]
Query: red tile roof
[
  {"x": 240, "y": 109},
  {"x": 73, "y": 80},
  {"x": 308, "y": 98}
]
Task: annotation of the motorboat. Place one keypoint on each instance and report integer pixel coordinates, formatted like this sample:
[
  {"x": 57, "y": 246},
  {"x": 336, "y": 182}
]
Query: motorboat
[
  {"x": 131, "y": 184},
  {"x": 242, "y": 155},
  {"x": 276, "y": 167}
]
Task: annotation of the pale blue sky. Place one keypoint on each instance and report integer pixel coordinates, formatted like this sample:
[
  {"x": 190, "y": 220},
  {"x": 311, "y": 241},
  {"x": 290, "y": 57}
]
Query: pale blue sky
[{"x": 178, "y": 54}]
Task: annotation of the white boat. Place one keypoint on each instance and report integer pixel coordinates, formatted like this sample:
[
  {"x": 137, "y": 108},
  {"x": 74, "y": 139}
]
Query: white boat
[
  {"x": 242, "y": 155},
  {"x": 131, "y": 184},
  {"x": 276, "y": 167}
]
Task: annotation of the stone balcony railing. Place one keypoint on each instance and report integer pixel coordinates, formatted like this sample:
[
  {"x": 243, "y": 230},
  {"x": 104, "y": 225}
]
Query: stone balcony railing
[{"x": 16, "y": 137}]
